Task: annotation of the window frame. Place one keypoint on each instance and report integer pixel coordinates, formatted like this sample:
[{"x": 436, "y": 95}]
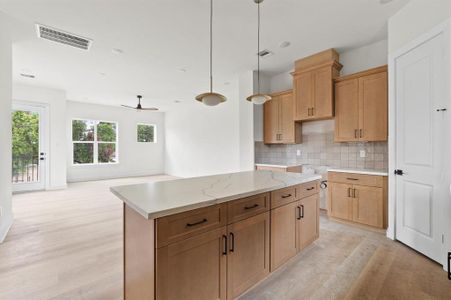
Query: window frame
[
  {"x": 95, "y": 143},
  {"x": 154, "y": 133}
]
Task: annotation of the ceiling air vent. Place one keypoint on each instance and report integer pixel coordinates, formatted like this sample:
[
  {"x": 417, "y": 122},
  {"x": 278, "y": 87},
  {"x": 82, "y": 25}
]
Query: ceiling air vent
[
  {"x": 59, "y": 36},
  {"x": 265, "y": 53}
]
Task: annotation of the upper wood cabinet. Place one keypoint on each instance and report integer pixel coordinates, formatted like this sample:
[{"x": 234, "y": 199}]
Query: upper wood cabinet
[
  {"x": 279, "y": 124},
  {"x": 361, "y": 106},
  {"x": 313, "y": 84}
]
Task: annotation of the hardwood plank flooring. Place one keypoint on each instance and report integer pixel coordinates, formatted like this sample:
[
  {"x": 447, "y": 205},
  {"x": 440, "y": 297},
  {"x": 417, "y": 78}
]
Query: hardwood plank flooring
[{"x": 68, "y": 245}]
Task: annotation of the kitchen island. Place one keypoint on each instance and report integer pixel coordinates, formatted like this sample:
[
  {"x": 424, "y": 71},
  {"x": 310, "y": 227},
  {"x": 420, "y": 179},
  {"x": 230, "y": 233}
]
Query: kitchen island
[{"x": 214, "y": 237}]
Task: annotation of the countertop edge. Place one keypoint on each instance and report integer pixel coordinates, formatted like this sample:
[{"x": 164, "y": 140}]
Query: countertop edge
[
  {"x": 213, "y": 201},
  {"x": 363, "y": 172}
]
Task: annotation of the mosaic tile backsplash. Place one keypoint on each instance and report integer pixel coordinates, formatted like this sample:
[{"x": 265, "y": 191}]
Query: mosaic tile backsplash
[{"x": 319, "y": 149}]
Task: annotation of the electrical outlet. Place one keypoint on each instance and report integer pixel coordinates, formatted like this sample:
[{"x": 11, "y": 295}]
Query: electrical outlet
[
  {"x": 298, "y": 152},
  {"x": 362, "y": 153}
]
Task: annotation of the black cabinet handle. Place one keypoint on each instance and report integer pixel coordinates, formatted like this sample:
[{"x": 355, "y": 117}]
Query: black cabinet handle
[
  {"x": 197, "y": 223},
  {"x": 251, "y": 207},
  {"x": 302, "y": 211},
  {"x": 354, "y": 179},
  {"x": 232, "y": 242},
  {"x": 299, "y": 212},
  {"x": 310, "y": 188},
  {"x": 224, "y": 240},
  {"x": 449, "y": 265},
  {"x": 286, "y": 196}
]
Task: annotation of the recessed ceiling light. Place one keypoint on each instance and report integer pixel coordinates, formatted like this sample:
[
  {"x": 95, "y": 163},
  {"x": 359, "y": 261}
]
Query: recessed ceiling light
[
  {"x": 284, "y": 44},
  {"x": 385, "y": 1},
  {"x": 117, "y": 51},
  {"x": 27, "y": 75}
]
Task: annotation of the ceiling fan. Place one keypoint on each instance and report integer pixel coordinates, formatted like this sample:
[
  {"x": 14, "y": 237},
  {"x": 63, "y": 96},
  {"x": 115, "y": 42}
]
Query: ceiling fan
[{"x": 139, "y": 107}]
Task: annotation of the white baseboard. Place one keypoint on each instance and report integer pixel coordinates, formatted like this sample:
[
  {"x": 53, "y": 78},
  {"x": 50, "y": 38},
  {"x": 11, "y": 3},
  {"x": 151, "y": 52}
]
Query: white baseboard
[
  {"x": 116, "y": 176},
  {"x": 4, "y": 228},
  {"x": 54, "y": 188}
]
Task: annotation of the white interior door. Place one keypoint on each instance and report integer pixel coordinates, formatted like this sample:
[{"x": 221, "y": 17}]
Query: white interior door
[
  {"x": 420, "y": 134},
  {"x": 28, "y": 161}
]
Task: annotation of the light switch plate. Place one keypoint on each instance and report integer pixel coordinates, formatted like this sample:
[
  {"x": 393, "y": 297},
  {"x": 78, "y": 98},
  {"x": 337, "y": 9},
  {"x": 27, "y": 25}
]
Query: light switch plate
[
  {"x": 362, "y": 153},
  {"x": 298, "y": 152}
]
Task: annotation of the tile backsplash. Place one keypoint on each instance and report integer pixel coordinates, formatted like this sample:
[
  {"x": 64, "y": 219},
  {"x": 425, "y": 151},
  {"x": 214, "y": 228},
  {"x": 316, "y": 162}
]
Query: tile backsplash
[{"x": 319, "y": 149}]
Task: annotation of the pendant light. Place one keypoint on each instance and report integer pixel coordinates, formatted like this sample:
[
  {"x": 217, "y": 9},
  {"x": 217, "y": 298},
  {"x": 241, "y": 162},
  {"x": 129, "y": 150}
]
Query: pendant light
[
  {"x": 211, "y": 98},
  {"x": 258, "y": 98}
]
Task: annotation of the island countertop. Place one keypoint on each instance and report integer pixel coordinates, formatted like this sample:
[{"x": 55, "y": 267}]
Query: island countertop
[{"x": 158, "y": 199}]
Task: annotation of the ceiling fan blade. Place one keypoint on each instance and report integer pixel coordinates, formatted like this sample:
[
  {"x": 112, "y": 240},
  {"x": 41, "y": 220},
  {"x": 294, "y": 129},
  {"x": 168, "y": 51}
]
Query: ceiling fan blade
[
  {"x": 127, "y": 106},
  {"x": 149, "y": 108}
]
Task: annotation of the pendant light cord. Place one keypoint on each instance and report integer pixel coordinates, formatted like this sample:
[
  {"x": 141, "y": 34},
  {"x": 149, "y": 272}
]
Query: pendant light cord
[
  {"x": 258, "y": 50},
  {"x": 211, "y": 46}
]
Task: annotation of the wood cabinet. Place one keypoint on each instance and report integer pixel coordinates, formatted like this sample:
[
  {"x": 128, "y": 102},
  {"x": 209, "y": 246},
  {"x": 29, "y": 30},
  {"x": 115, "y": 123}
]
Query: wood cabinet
[
  {"x": 361, "y": 106},
  {"x": 313, "y": 86},
  {"x": 195, "y": 268},
  {"x": 277, "y": 168},
  {"x": 248, "y": 257},
  {"x": 279, "y": 124},
  {"x": 358, "y": 198},
  {"x": 294, "y": 226}
]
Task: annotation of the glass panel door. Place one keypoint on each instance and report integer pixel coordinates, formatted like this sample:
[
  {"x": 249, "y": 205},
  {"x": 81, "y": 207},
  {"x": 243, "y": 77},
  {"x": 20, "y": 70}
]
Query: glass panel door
[{"x": 28, "y": 158}]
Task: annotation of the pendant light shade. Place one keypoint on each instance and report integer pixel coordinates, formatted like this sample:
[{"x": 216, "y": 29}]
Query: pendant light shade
[
  {"x": 258, "y": 98},
  {"x": 211, "y": 98}
]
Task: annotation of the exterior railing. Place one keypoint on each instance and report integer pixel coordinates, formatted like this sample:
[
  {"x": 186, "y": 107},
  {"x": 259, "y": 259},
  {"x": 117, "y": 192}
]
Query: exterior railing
[{"x": 25, "y": 169}]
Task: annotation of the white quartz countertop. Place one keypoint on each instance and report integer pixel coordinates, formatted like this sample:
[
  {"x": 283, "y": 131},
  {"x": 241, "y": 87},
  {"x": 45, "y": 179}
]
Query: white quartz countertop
[
  {"x": 277, "y": 166},
  {"x": 359, "y": 171},
  {"x": 158, "y": 199}
]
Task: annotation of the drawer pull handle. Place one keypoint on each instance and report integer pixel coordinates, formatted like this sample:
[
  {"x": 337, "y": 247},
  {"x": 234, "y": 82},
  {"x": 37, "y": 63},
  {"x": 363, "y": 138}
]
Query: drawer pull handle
[
  {"x": 251, "y": 207},
  {"x": 302, "y": 211},
  {"x": 310, "y": 188},
  {"x": 197, "y": 223},
  {"x": 232, "y": 242},
  {"x": 299, "y": 213},
  {"x": 349, "y": 178},
  {"x": 286, "y": 196},
  {"x": 224, "y": 250}
]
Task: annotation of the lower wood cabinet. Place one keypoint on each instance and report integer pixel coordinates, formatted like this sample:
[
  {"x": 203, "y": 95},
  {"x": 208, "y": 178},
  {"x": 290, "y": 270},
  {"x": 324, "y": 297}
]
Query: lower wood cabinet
[
  {"x": 248, "y": 254},
  {"x": 195, "y": 268},
  {"x": 294, "y": 226},
  {"x": 364, "y": 201}
]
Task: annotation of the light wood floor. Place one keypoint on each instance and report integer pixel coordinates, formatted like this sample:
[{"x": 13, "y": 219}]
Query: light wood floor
[{"x": 68, "y": 245}]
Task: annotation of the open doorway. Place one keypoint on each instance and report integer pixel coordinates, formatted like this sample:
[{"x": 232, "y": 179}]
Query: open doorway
[{"x": 28, "y": 154}]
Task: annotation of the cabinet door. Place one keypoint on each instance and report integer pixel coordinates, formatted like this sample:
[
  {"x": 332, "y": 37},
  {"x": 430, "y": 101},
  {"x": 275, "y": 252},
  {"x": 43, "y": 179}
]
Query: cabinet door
[
  {"x": 373, "y": 97},
  {"x": 194, "y": 268},
  {"x": 323, "y": 106},
  {"x": 248, "y": 258},
  {"x": 368, "y": 205},
  {"x": 347, "y": 110},
  {"x": 287, "y": 123},
  {"x": 271, "y": 121},
  {"x": 309, "y": 222},
  {"x": 340, "y": 201},
  {"x": 303, "y": 95},
  {"x": 284, "y": 221}
]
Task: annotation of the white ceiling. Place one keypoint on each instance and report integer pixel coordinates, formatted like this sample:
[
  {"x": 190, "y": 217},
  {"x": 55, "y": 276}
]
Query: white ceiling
[{"x": 160, "y": 37}]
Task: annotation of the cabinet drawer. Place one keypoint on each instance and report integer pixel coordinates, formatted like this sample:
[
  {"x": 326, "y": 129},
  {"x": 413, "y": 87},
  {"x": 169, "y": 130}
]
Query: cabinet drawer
[
  {"x": 306, "y": 189},
  {"x": 177, "y": 227},
  {"x": 247, "y": 207},
  {"x": 283, "y": 196},
  {"x": 360, "y": 179}
]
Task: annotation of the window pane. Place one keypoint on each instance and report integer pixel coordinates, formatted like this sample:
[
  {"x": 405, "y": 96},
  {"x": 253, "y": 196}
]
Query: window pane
[
  {"x": 83, "y": 153},
  {"x": 107, "y": 153},
  {"x": 106, "y": 132},
  {"x": 146, "y": 133},
  {"x": 83, "y": 130}
]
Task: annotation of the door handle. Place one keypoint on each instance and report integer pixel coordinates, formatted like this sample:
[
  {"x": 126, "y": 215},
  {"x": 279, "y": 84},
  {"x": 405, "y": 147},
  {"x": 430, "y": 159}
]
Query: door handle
[
  {"x": 232, "y": 242},
  {"x": 224, "y": 240}
]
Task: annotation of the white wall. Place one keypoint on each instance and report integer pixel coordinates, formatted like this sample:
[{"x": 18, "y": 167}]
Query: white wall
[
  {"x": 135, "y": 159},
  {"x": 363, "y": 58},
  {"x": 414, "y": 19},
  {"x": 246, "y": 85},
  {"x": 6, "y": 218},
  {"x": 55, "y": 100}
]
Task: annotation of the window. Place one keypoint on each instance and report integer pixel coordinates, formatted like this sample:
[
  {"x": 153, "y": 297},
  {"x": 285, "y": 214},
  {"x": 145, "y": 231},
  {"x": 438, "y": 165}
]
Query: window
[
  {"x": 147, "y": 133},
  {"x": 94, "y": 142}
]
